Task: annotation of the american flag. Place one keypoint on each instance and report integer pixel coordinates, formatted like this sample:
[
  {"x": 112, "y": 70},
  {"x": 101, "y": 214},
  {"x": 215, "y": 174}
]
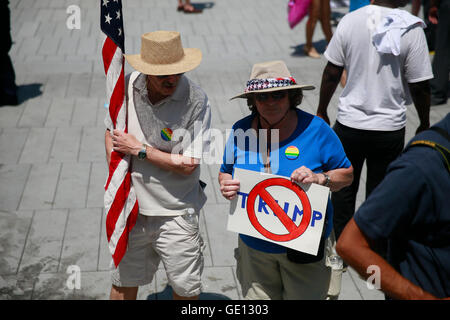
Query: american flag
[{"x": 120, "y": 199}]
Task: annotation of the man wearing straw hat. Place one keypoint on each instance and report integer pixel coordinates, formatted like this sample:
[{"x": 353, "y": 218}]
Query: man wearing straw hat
[{"x": 167, "y": 117}]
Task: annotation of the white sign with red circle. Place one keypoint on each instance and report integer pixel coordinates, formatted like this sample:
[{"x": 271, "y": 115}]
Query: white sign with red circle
[{"x": 274, "y": 209}]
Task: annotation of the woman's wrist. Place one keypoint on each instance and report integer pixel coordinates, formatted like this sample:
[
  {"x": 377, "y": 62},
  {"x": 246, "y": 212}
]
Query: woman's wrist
[{"x": 324, "y": 179}]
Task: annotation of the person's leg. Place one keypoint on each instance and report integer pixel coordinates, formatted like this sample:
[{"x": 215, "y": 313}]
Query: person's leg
[
  {"x": 385, "y": 148},
  {"x": 139, "y": 264},
  {"x": 189, "y": 8},
  {"x": 8, "y": 87},
  {"x": 123, "y": 293},
  {"x": 309, "y": 281},
  {"x": 177, "y": 297},
  {"x": 258, "y": 273},
  {"x": 441, "y": 64},
  {"x": 344, "y": 200},
  {"x": 325, "y": 17},
  {"x": 313, "y": 15},
  {"x": 180, "y": 247}
]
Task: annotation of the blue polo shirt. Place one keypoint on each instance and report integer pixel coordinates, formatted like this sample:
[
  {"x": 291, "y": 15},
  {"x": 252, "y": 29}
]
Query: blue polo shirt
[{"x": 318, "y": 147}]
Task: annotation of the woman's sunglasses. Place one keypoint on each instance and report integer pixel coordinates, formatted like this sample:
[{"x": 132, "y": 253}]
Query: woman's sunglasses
[{"x": 276, "y": 95}]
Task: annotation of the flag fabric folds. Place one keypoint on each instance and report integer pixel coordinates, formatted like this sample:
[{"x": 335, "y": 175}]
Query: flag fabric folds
[{"x": 120, "y": 201}]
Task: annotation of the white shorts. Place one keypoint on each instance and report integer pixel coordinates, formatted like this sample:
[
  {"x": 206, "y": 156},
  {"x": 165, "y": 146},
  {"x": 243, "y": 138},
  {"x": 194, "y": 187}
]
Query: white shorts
[{"x": 173, "y": 240}]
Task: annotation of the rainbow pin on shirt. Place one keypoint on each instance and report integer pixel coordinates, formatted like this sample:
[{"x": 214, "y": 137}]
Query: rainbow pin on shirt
[
  {"x": 166, "y": 134},
  {"x": 292, "y": 152}
]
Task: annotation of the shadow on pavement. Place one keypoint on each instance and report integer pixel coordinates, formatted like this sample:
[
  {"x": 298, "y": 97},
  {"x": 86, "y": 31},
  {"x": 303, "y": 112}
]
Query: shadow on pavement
[
  {"x": 28, "y": 91},
  {"x": 319, "y": 45},
  {"x": 203, "y": 5}
]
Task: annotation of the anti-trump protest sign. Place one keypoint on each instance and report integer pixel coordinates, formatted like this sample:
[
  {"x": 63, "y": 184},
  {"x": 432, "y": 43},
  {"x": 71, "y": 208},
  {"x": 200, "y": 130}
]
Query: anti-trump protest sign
[{"x": 275, "y": 209}]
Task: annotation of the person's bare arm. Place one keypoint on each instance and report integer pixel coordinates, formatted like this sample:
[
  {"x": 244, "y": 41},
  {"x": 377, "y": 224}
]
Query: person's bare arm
[
  {"x": 339, "y": 178},
  {"x": 108, "y": 145},
  {"x": 415, "y": 7},
  {"x": 420, "y": 93},
  {"x": 353, "y": 246},
  {"x": 128, "y": 144},
  {"x": 330, "y": 80}
]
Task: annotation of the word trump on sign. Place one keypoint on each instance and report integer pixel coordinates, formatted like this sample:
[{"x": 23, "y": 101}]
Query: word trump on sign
[{"x": 274, "y": 209}]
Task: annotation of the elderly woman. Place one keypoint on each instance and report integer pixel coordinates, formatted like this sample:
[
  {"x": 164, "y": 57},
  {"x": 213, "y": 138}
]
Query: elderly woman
[{"x": 309, "y": 152}]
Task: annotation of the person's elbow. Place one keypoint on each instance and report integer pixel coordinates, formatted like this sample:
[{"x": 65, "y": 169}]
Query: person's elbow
[
  {"x": 342, "y": 178},
  {"x": 343, "y": 247},
  {"x": 189, "y": 167},
  {"x": 189, "y": 170},
  {"x": 348, "y": 177},
  {"x": 351, "y": 243}
]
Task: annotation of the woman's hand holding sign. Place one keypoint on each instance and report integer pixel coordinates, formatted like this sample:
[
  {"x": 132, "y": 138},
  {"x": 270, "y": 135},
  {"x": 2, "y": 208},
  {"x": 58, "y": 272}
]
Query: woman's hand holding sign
[
  {"x": 337, "y": 178},
  {"x": 228, "y": 186},
  {"x": 305, "y": 175}
]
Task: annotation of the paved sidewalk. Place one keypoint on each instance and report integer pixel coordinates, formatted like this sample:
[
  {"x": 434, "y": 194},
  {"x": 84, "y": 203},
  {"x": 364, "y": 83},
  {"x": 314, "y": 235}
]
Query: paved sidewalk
[{"x": 52, "y": 159}]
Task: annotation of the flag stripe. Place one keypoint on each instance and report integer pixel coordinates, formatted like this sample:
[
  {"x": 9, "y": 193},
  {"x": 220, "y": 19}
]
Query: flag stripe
[
  {"x": 123, "y": 241},
  {"x": 124, "y": 223},
  {"x": 114, "y": 162},
  {"x": 120, "y": 201},
  {"x": 117, "y": 99},
  {"x": 109, "y": 48},
  {"x": 117, "y": 206}
]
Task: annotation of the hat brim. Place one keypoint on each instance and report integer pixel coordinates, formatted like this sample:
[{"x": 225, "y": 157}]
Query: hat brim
[
  {"x": 296, "y": 86},
  {"x": 191, "y": 60}
]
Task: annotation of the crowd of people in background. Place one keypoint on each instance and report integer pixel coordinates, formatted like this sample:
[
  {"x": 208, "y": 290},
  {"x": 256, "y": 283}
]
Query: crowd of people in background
[{"x": 383, "y": 66}]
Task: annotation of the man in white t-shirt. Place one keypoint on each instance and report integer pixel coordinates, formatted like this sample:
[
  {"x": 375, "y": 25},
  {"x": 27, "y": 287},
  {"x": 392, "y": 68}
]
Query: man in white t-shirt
[
  {"x": 385, "y": 53},
  {"x": 169, "y": 117}
]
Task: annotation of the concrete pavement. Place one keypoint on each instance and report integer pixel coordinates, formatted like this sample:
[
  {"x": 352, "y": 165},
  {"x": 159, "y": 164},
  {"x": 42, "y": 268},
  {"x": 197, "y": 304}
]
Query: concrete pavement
[{"x": 52, "y": 162}]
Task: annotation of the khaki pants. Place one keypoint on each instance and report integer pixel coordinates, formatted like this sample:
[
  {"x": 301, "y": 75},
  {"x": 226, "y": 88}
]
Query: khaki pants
[{"x": 272, "y": 276}]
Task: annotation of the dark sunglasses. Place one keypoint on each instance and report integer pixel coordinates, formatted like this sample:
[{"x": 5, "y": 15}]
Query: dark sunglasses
[
  {"x": 176, "y": 75},
  {"x": 276, "y": 95}
]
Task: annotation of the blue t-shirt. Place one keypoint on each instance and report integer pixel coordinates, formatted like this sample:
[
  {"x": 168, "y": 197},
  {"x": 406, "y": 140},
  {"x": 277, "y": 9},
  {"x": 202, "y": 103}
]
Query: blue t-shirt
[
  {"x": 318, "y": 148},
  {"x": 411, "y": 208}
]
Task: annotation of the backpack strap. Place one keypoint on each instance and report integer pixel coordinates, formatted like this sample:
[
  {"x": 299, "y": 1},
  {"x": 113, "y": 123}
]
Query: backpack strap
[{"x": 445, "y": 153}]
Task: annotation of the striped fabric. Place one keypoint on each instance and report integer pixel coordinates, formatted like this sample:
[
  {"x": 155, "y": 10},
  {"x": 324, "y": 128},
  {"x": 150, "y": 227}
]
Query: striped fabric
[{"x": 120, "y": 201}]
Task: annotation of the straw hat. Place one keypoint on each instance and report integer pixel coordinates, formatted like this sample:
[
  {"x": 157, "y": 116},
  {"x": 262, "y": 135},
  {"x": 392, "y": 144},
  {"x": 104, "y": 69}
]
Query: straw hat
[
  {"x": 270, "y": 76},
  {"x": 163, "y": 54}
]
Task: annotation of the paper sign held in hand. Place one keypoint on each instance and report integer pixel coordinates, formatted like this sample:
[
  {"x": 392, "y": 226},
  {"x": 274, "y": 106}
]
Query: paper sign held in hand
[{"x": 274, "y": 209}]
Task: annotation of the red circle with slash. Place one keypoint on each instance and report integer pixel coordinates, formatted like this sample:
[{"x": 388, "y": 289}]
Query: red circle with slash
[{"x": 294, "y": 231}]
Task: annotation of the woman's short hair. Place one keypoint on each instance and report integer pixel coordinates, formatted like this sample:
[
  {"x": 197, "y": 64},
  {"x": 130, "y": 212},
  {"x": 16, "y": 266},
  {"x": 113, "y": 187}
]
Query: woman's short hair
[{"x": 295, "y": 98}]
